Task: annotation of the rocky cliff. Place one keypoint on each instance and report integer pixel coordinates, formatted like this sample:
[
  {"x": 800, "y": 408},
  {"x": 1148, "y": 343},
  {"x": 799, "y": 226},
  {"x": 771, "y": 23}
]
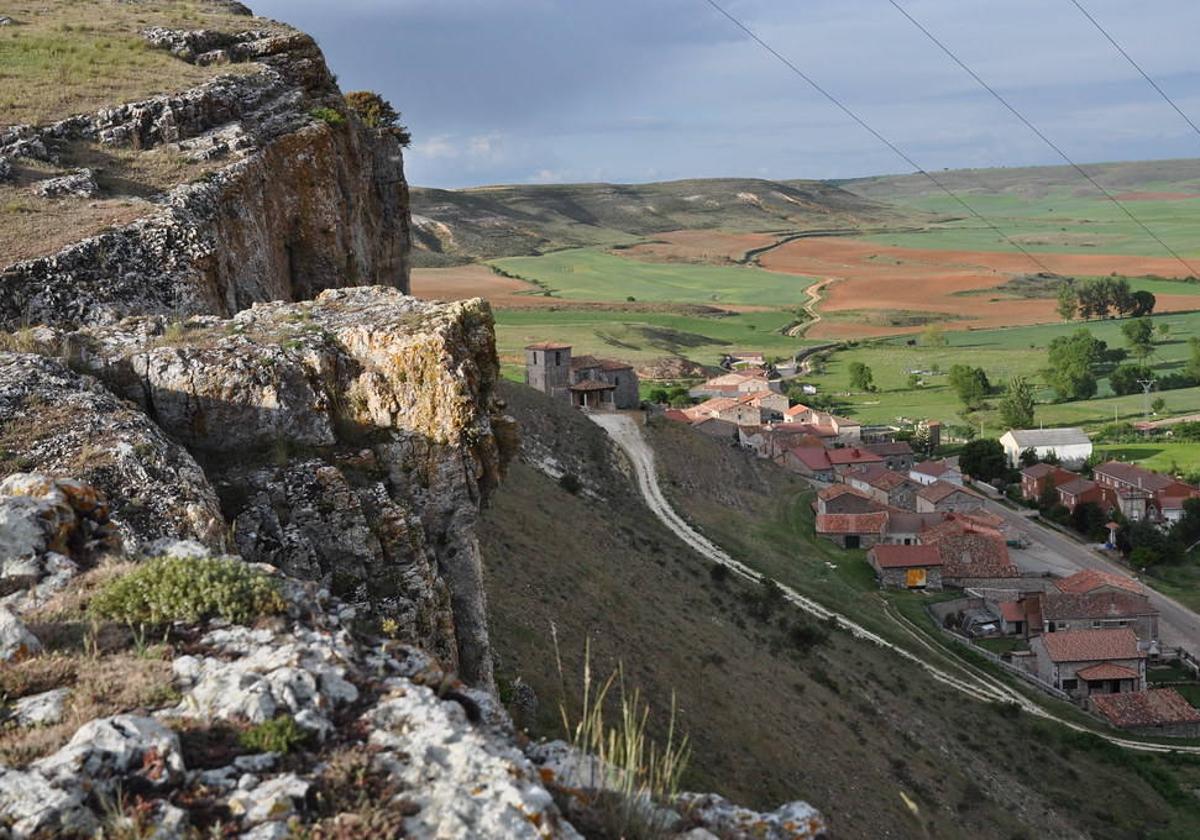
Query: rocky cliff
[{"x": 293, "y": 194}]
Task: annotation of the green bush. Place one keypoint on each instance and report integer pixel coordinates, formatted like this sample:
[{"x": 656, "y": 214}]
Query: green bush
[
  {"x": 329, "y": 116},
  {"x": 280, "y": 735},
  {"x": 188, "y": 589}
]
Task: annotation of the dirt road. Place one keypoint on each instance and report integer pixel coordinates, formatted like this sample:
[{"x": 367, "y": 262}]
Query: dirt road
[{"x": 973, "y": 682}]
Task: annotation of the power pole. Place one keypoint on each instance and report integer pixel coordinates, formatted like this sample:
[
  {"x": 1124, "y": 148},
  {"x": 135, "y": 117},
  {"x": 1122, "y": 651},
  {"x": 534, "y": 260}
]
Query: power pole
[{"x": 1147, "y": 387}]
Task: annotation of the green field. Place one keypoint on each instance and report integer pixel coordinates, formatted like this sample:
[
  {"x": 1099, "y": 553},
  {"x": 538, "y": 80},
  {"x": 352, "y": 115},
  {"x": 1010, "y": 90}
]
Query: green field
[
  {"x": 1002, "y": 353},
  {"x": 1158, "y": 456},
  {"x": 590, "y": 274},
  {"x": 640, "y": 337}
]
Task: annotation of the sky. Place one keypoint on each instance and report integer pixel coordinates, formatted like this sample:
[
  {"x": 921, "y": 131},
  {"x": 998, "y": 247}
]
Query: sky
[{"x": 559, "y": 91}]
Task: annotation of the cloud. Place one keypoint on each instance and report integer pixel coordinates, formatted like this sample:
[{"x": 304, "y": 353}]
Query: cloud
[{"x": 519, "y": 90}]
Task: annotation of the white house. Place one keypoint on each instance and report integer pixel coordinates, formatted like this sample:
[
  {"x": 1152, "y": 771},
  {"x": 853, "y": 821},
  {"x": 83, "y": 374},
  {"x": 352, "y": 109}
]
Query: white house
[{"x": 1072, "y": 446}]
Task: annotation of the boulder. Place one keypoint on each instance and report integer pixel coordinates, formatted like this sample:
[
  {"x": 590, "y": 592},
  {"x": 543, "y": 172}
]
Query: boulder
[
  {"x": 107, "y": 752},
  {"x": 141, "y": 485},
  {"x": 31, "y": 807},
  {"x": 78, "y": 184},
  {"x": 16, "y": 642},
  {"x": 42, "y": 709}
]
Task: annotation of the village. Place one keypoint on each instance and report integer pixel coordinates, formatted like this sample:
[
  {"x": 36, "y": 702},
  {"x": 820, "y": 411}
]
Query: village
[{"x": 1047, "y": 607}]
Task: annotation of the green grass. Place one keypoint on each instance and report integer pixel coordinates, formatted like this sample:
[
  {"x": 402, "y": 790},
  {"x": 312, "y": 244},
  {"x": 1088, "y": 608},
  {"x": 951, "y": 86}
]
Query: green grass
[
  {"x": 1003, "y": 353},
  {"x": 1158, "y": 456},
  {"x": 641, "y": 336},
  {"x": 591, "y": 274},
  {"x": 1057, "y": 222}
]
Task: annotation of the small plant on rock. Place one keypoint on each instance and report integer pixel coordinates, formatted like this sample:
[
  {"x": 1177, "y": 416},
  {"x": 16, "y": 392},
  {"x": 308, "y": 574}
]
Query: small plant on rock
[
  {"x": 170, "y": 589},
  {"x": 329, "y": 116},
  {"x": 280, "y": 735}
]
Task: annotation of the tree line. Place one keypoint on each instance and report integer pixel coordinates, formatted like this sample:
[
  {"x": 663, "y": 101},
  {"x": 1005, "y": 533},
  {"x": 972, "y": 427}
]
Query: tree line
[{"x": 1101, "y": 296}]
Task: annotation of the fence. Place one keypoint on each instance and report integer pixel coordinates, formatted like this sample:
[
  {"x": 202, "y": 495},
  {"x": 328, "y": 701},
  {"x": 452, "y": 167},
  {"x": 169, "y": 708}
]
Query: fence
[{"x": 1032, "y": 679}]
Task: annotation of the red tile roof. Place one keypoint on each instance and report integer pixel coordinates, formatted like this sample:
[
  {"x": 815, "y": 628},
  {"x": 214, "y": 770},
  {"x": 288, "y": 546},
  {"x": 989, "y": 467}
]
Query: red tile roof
[
  {"x": 1112, "y": 605},
  {"x": 933, "y": 468},
  {"x": 974, "y": 555},
  {"x": 1090, "y": 580},
  {"x": 816, "y": 459},
  {"x": 900, "y": 447},
  {"x": 1038, "y": 470},
  {"x": 904, "y": 556},
  {"x": 677, "y": 415},
  {"x": 1154, "y": 707},
  {"x": 592, "y": 385},
  {"x": 1106, "y": 671},
  {"x": 1077, "y": 486},
  {"x": 834, "y": 491},
  {"x": 852, "y": 455},
  {"x": 851, "y": 523},
  {"x": 1091, "y": 645},
  {"x": 1134, "y": 475},
  {"x": 940, "y": 490},
  {"x": 1012, "y": 610}
]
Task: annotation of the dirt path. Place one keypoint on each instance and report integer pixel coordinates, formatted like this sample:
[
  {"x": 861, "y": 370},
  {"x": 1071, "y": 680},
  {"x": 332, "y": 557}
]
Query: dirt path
[{"x": 975, "y": 683}]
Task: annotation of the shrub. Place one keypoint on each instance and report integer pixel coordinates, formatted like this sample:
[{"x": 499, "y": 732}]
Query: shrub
[
  {"x": 280, "y": 735},
  {"x": 329, "y": 116},
  {"x": 570, "y": 482},
  {"x": 718, "y": 573},
  {"x": 187, "y": 589},
  {"x": 377, "y": 112}
]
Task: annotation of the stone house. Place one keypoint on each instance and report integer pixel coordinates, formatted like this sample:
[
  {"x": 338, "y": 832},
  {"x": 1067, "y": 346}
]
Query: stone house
[
  {"x": 971, "y": 556},
  {"x": 885, "y": 486},
  {"x": 1072, "y": 447},
  {"x": 586, "y": 381},
  {"x": 897, "y": 455},
  {"x": 1143, "y": 494},
  {"x": 1162, "y": 712},
  {"x": 1080, "y": 491},
  {"x": 944, "y": 497},
  {"x": 1091, "y": 581},
  {"x": 851, "y": 457},
  {"x": 853, "y": 530},
  {"x": 841, "y": 498},
  {"x": 1034, "y": 479},
  {"x": 730, "y": 409},
  {"x": 1063, "y": 611},
  {"x": 906, "y": 566},
  {"x": 772, "y": 405},
  {"x": 715, "y": 427},
  {"x": 734, "y": 385},
  {"x": 846, "y": 431},
  {"x": 810, "y": 461},
  {"x": 1083, "y": 663}
]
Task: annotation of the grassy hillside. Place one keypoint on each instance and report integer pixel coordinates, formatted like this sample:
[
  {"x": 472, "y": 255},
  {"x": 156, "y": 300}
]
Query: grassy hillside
[
  {"x": 1052, "y": 209},
  {"x": 775, "y": 708},
  {"x": 459, "y": 225}
]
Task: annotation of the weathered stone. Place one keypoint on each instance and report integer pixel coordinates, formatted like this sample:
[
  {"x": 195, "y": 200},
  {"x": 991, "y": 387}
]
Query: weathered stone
[
  {"x": 275, "y": 799},
  {"x": 104, "y": 751},
  {"x": 275, "y": 223},
  {"x": 79, "y": 184},
  {"x": 30, "y": 806},
  {"x": 16, "y": 642},
  {"x": 41, "y": 709},
  {"x": 58, "y": 422},
  {"x": 793, "y": 821}
]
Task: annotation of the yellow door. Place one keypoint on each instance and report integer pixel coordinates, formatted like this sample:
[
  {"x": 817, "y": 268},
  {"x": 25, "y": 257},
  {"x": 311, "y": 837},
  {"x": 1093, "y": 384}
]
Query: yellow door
[{"x": 916, "y": 579}]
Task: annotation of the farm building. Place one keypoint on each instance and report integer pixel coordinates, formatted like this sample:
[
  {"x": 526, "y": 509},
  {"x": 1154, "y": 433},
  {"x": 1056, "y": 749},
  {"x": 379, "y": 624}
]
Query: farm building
[
  {"x": 906, "y": 566},
  {"x": 928, "y": 472},
  {"x": 586, "y": 381},
  {"x": 841, "y": 498},
  {"x": 897, "y": 455},
  {"x": 884, "y": 485},
  {"x": 1156, "y": 711},
  {"x": 944, "y": 497},
  {"x": 1072, "y": 446},
  {"x": 1093, "y": 580},
  {"x": 1087, "y": 662},
  {"x": 853, "y": 530}
]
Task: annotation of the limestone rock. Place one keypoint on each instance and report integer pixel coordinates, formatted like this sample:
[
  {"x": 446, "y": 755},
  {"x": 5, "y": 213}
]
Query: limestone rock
[
  {"x": 30, "y": 806},
  {"x": 108, "y": 751},
  {"x": 793, "y": 821},
  {"x": 275, "y": 223},
  {"x": 16, "y": 642},
  {"x": 58, "y": 422},
  {"x": 42, "y": 709},
  {"x": 391, "y": 402},
  {"x": 78, "y": 184}
]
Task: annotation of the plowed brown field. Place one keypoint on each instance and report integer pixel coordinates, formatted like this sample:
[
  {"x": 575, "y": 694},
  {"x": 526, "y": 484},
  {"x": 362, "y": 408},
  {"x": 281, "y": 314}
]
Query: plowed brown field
[{"x": 867, "y": 275}]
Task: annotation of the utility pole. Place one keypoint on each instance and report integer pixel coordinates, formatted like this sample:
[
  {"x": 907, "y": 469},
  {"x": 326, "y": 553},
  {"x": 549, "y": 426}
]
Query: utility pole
[{"x": 1147, "y": 387}]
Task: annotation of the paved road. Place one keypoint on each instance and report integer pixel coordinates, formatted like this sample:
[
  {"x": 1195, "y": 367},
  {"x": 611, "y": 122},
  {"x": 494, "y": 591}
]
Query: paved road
[
  {"x": 972, "y": 682},
  {"x": 1178, "y": 626}
]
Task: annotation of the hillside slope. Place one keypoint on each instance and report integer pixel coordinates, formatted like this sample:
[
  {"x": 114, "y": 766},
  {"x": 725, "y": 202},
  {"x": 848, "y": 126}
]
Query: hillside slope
[
  {"x": 776, "y": 709},
  {"x": 458, "y": 225}
]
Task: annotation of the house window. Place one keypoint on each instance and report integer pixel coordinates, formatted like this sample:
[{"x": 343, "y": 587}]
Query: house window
[
  {"x": 616, "y": 380},
  {"x": 1070, "y": 685},
  {"x": 557, "y": 358}
]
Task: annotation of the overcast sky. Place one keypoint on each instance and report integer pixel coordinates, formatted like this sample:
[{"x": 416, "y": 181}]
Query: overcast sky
[{"x": 514, "y": 91}]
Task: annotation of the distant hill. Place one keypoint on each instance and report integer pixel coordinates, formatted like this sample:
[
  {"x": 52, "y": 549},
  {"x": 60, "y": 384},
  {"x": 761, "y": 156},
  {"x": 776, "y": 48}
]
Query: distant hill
[
  {"x": 456, "y": 226},
  {"x": 1148, "y": 176}
]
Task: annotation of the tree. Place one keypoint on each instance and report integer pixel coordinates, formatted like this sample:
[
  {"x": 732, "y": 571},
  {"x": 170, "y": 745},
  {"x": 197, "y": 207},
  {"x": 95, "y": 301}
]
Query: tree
[
  {"x": 1193, "y": 366},
  {"x": 914, "y": 381},
  {"x": 376, "y": 112},
  {"x": 1143, "y": 302},
  {"x": 934, "y": 336},
  {"x": 1158, "y": 405},
  {"x": 1029, "y": 457},
  {"x": 1016, "y": 409},
  {"x": 659, "y": 396},
  {"x": 1124, "y": 378},
  {"x": 1187, "y": 529},
  {"x": 970, "y": 383},
  {"x": 1139, "y": 335},
  {"x": 861, "y": 378},
  {"x": 1068, "y": 302},
  {"x": 983, "y": 459},
  {"x": 1048, "y": 497},
  {"x": 1088, "y": 519},
  {"x": 1072, "y": 362}
]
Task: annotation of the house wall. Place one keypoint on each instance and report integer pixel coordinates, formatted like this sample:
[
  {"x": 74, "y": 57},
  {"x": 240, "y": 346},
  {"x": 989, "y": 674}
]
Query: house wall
[
  {"x": 549, "y": 371},
  {"x": 846, "y": 503},
  {"x": 898, "y": 578},
  {"x": 864, "y": 540},
  {"x": 1145, "y": 627},
  {"x": 955, "y": 502},
  {"x": 626, "y": 396},
  {"x": 1057, "y": 673}
]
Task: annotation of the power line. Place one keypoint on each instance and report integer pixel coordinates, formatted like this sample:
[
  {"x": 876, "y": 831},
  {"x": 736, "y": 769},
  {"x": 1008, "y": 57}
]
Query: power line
[
  {"x": 1136, "y": 66},
  {"x": 1042, "y": 136},
  {"x": 877, "y": 135}
]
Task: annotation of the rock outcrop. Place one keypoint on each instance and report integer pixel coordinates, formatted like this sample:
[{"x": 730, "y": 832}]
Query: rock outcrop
[
  {"x": 309, "y": 199},
  {"x": 352, "y": 440}
]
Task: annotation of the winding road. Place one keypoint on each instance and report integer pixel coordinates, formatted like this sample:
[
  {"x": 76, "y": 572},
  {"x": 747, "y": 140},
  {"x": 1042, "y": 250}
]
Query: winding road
[{"x": 972, "y": 681}]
